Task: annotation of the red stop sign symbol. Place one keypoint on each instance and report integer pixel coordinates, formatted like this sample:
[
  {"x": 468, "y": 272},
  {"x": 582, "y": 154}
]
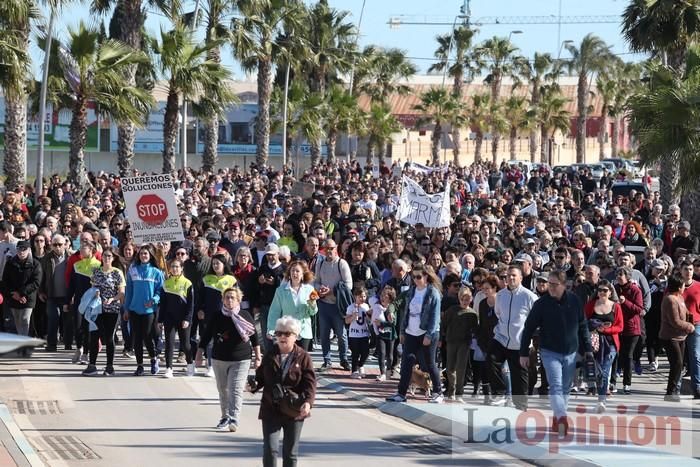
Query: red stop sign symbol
[{"x": 151, "y": 209}]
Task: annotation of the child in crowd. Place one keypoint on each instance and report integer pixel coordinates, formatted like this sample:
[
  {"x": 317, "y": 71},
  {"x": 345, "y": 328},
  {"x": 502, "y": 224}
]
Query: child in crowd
[
  {"x": 458, "y": 328},
  {"x": 357, "y": 316},
  {"x": 384, "y": 323}
]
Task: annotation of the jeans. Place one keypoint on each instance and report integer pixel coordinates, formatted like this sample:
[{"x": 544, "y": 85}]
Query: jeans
[
  {"x": 106, "y": 327},
  {"x": 693, "y": 343},
  {"x": 184, "y": 334},
  {"x": 627, "y": 346},
  {"x": 54, "y": 308},
  {"x": 359, "y": 349},
  {"x": 385, "y": 354},
  {"x": 230, "y": 381},
  {"x": 497, "y": 356},
  {"x": 330, "y": 319},
  {"x": 560, "y": 370},
  {"x": 142, "y": 326},
  {"x": 604, "y": 369},
  {"x": 674, "y": 352},
  {"x": 290, "y": 443},
  {"x": 22, "y": 317},
  {"x": 413, "y": 351}
]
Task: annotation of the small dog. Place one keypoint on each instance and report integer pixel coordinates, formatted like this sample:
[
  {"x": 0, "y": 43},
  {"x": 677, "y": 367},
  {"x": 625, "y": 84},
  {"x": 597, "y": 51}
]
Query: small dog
[{"x": 420, "y": 380}]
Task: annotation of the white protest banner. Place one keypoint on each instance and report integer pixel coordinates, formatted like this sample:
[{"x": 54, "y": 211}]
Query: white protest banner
[
  {"x": 530, "y": 209},
  {"x": 418, "y": 207},
  {"x": 424, "y": 169},
  {"x": 302, "y": 189},
  {"x": 151, "y": 209}
]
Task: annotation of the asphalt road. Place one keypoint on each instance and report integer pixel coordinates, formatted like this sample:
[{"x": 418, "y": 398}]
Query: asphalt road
[{"x": 122, "y": 420}]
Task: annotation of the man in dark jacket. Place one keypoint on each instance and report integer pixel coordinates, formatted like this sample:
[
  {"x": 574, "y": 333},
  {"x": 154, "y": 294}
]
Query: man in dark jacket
[
  {"x": 21, "y": 279},
  {"x": 53, "y": 287}
]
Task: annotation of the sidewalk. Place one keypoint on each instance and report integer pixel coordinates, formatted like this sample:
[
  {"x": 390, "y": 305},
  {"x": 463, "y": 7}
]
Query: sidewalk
[
  {"x": 636, "y": 429},
  {"x": 15, "y": 449}
]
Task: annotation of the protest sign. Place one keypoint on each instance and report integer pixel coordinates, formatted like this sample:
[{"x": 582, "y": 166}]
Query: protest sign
[
  {"x": 305, "y": 190},
  {"x": 424, "y": 169},
  {"x": 530, "y": 209},
  {"x": 151, "y": 209},
  {"x": 416, "y": 206}
]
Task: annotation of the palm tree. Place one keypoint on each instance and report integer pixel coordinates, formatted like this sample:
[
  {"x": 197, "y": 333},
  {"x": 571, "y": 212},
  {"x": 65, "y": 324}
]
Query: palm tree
[
  {"x": 628, "y": 80},
  {"x": 253, "y": 39},
  {"x": 499, "y": 52},
  {"x": 515, "y": 113},
  {"x": 15, "y": 20},
  {"x": 379, "y": 128},
  {"x": 479, "y": 117},
  {"x": 664, "y": 118},
  {"x": 437, "y": 107},
  {"x": 551, "y": 115},
  {"x": 188, "y": 71},
  {"x": 664, "y": 28},
  {"x": 606, "y": 87},
  {"x": 331, "y": 39},
  {"x": 543, "y": 70},
  {"x": 306, "y": 122},
  {"x": 342, "y": 113},
  {"x": 129, "y": 17},
  {"x": 93, "y": 70},
  {"x": 380, "y": 71},
  {"x": 463, "y": 68},
  {"x": 591, "y": 56}
]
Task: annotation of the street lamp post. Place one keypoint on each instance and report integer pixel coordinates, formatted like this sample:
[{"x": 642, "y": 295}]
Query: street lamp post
[
  {"x": 517, "y": 31},
  {"x": 561, "y": 47},
  {"x": 184, "y": 102},
  {"x": 42, "y": 106}
]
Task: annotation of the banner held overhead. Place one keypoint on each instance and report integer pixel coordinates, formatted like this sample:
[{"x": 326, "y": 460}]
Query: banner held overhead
[
  {"x": 151, "y": 209},
  {"x": 418, "y": 207}
]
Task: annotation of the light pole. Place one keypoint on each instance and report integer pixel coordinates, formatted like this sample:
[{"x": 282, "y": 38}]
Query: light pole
[
  {"x": 510, "y": 34},
  {"x": 42, "y": 105},
  {"x": 561, "y": 47},
  {"x": 184, "y": 101},
  {"x": 352, "y": 72}
]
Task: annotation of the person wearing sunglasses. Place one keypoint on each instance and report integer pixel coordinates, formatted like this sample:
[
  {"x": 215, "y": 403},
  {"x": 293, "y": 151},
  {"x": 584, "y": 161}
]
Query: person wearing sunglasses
[
  {"x": 285, "y": 372},
  {"x": 232, "y": 331}
]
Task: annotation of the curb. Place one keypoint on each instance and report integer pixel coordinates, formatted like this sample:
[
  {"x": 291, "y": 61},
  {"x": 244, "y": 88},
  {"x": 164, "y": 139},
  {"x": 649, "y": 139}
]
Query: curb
[
  {"x": 444, "y": 426},
  {"x": 18, "y": 437}
]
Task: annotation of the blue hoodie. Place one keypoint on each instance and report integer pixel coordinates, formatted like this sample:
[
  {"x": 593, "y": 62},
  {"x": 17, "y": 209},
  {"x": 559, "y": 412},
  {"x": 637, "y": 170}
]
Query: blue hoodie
[{"x": 144, "y": 283}]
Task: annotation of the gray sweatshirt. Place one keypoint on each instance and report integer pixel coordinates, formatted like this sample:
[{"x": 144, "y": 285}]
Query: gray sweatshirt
[{"x": 329, "y": 274}]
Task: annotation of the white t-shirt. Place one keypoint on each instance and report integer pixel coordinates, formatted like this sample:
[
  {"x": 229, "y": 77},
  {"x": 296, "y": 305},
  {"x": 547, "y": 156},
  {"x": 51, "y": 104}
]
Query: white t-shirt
[
  {"x": 360, "y": 326},
  {"x": 414, "y": 311}
]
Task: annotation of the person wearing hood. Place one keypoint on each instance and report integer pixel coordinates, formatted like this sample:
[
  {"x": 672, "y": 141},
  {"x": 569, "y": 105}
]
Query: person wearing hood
[{"x": 21, "y": 279}]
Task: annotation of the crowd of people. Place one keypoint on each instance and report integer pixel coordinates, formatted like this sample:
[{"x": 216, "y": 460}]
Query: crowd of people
[{"x": 537, "y": 277}]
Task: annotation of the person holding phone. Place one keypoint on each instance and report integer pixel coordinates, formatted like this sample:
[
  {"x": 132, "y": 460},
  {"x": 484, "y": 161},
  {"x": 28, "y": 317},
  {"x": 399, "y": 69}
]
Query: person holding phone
[{"x": 267, "y": 280}]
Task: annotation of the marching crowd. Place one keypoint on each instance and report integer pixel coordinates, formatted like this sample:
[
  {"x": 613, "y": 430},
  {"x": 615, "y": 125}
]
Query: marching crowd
[{"x": 541, "y": 283}]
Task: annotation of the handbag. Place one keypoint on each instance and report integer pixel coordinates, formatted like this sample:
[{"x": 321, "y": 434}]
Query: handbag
[
  {"x": 595, "y": 341},
  {"x": 288, "y": 401}
]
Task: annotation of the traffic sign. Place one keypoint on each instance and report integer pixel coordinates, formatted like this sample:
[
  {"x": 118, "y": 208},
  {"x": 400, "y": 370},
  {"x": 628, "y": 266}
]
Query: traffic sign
[{"x": 152, "y": 209}]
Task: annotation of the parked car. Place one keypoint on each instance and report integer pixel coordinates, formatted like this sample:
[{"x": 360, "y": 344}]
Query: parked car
[
  {"x": 612, "y": 168},
  {"x": 624, "y": 188}
]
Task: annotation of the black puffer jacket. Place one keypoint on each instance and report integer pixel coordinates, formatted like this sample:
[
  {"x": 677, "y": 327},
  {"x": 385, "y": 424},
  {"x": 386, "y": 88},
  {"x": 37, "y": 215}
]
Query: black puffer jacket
[{"x": 23, "y": 277}]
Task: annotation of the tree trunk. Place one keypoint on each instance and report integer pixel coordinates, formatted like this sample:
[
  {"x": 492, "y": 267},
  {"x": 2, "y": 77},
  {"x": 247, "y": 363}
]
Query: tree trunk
[
  {"x": 494, "y": 146},
  {"x": 435, "y": 142},
  {"x": 15, "y": 163},
  {"x": 170, "y": 127},
  {"x": 478, "y": 142},
  {"x": 318, "y": 84},
  {"x": 668, "y": 181},
  {"x": 262, "y": 122},
  {"x": 544, "y": 157},
  {"x": 78, "y": 140},
  {"x": 131, "y": 23},
  {"x": 210, "y": 155},
  {"x": 332, "y": 140},
  {"x": 512, "y": 142},
  {"x": 370, "y": 150},
  {"x": 581, "y": 120},
  {"x": 456, "y": 130},
  {"x": 689, "y": 203},
  {"x": 601, "y": 132},
  {"x": 534, "y": 102},
  {"x": 614, "y": 137}
]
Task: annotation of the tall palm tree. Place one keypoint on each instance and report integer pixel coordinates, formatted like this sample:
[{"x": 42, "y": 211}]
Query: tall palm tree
[
  {"x": 93, "y": 70},
  {"x": 464, "y": 65},
  {"x": 542, "y": 70},
  {"x": 551, "y": 114},
  {"x": 628, "y": 82},
  {"x": 342, "y": 113},
  {"x": 130, "y": 17},
  {"x": 306, "y": 122},
  {"x": 379, "y": 73},
  {"x": 439, "y": 108},
  {"x": 592, "y": 56},
  {"x": 664, "y": 117},
  {"x": 15, "y": 23},
  {"x": 379, "y": 128},
  {"x": 479, "y": 117},
  {"x": 331, "y": 38},
  {"x": 253, "y": 39},
  {"x": 186, "y": 67},
  {"x": 664, "y": 28},
  {"x": 515, "y": 113},
  {"x": 499, "y": 53},
  {"x": 606, "y": 87}
]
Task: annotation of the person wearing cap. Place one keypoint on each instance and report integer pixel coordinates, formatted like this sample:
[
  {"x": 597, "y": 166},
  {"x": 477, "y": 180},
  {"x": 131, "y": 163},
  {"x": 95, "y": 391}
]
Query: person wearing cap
[
  {"x": 214, "y": 237},
  {"x": 234, "y": 238},
  {"x": 257, "y": 253},
  {"x": 529, "y": 275},
  {"x": 684, "y": 242},
  {"x": 658, "y": 281},
  {"x": 21, "y": 280},
  {"x": 618, "y": 226},
  {"x": 267, "y": 278}
]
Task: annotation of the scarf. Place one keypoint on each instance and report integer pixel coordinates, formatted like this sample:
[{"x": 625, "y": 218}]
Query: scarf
[{"x": 243, "y": 326}]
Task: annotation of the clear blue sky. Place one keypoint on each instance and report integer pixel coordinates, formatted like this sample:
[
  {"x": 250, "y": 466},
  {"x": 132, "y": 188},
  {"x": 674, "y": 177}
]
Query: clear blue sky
[{"x": 418, "y": 41}]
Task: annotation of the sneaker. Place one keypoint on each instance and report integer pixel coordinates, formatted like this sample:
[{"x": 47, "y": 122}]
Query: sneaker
[
  {"x": 672, "y": 398},
  {"x": 452, "y": 398},
  {"x": 613, "y": 389},
  {"x": 181, "y": 358},
  {"x": 653, "y": 367},
  {"x": 356, "y": 375},
  {"x": 168, "y": 373},
  {"x": 50, "y": 348},
  {"x": 109, "y": 370},
  {"x": 210, "y": 372},
  {"x": 345, "y": 366},
  {"x": 436, "y": 399},
  {"x": 233, "y": 427},
  {"x": 91, "y": 370},
  {"x": 325, "y": 367},
  {"x": 128, "y": 354},
  {"x": 223, "y": 424},
  {"x": 155, "y": 367},
  {"x": 627, "y": 389},
  {"x": 638, "y": 367},
  {"x": 190, "y": 370},
  {"x": 362, "y": 371},
  {"x": 498, "y": 401},
  {"x": 83, "y": 359},
  {"x": 396, "y": 398},
  {"x": 600, "y": 408},
  {"x": 380, "y": 378},
  {"x": 76, "y": 356},
  {"x": 139, "y": 371}
]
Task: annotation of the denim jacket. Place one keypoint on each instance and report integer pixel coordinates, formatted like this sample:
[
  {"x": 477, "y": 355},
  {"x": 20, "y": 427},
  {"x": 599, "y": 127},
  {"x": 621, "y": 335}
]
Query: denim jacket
[{"x": 430, "y": 313}]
